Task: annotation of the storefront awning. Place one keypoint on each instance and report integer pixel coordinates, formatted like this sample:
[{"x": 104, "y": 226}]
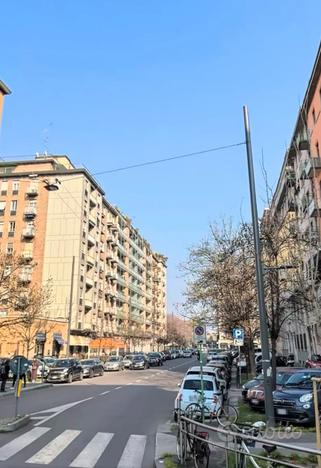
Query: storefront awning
[
  {"x": 59, "y": 339},
  {"x": 40, "y": 337}
]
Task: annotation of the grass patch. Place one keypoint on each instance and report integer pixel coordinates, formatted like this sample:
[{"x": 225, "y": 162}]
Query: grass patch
[
  {"x": 291, "y": 458},
  {"x": 169, "y": 461},
  {"x": 247, "y": 415},
  {"x": 246, "y": 377}
]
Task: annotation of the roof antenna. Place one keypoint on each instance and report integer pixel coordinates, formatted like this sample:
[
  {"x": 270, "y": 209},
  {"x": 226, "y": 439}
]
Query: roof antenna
[{"x": 45, "y": 139}]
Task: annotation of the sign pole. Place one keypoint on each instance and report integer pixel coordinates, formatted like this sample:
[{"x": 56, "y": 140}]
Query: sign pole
[{"x": 17, "y": 387}]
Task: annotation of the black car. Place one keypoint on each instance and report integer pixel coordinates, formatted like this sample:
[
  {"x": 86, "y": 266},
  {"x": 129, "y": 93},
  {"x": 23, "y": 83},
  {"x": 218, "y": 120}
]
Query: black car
[
  {"x": 139, "y": 361},
  {"x": 294, "y": 402},
  {"x": 65, "y": 370},
  {"x": 250, "y": 384},
  {"x": 154, "y": 359},
  {"x": 92, "y": 367}
]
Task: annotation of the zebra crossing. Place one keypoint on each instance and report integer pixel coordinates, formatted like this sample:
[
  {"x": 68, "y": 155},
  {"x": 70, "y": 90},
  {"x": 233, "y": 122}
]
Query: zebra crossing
[{"x": 88, "y": 457}]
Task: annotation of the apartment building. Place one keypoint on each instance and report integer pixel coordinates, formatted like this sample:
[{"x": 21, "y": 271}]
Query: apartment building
[
  {"x": 298, "y": 196},
  {"x": 4, "y": 90},
  {"x": 109, "y": 287}
]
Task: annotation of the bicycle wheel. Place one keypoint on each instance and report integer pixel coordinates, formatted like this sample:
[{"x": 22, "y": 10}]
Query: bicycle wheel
[
  {"x": 227, "y": 416},
  {"x": 194, "y": 411}
]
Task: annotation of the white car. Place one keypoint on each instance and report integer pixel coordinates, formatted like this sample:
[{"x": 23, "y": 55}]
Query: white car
[
  {"x": 187, "y": 353},
  {"x": 211, "y": 355},
  {"x": 215, "y": 373},
  {"x": 190, "y": 392}
]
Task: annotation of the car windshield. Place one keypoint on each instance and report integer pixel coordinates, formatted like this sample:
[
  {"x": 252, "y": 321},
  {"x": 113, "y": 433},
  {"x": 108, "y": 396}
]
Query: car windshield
[
  {"x": 114, "y": 359},
  {"x": 300, "y": 380},
  {"x": 87, "y": 362},
  {"x": 153, "y": 355},
  {"x": 282, "y": 377},
  {"x": 63, "y": 363},
  {"x": 196, "y": 385},
  {"x": 138, "y": 358},
  {"x": 128, "y": 357}
]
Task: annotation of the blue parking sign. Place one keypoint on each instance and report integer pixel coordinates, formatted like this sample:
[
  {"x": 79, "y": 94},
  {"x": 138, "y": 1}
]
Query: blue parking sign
[{"x": 238, "y": 333}]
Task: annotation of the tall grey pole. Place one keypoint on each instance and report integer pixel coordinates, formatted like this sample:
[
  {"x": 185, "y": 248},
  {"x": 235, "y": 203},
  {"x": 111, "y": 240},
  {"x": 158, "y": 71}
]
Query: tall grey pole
[
  {"x": 266, "y": 365},
  {"x": 70, "y": 305}
]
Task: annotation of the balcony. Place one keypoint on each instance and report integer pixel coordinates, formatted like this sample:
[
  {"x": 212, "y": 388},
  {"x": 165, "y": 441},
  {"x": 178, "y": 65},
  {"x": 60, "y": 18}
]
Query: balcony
[
  {"x": 90, "y": 260},
  {"x": 27, "y": 255},
  {"x": 121, "y": 296},
  {"x": 91, "y": 240},
  {"x": 312, "y": 166},
  {"x": 121, "y": 280},
  {"x": 92, "y": 200},
  {"x": 32, "y": 191},
  {"x": 28, "y": 233},
  {"x": 313, "y": 209},
  {"x": 122, "y": 249},
  {"x": 89, "y": 282},
  {"x": 30, "y": 212},
  {"x": 120, "y": 314},
  {"x": 88, "y": 304},
  {"x": 25, "y": 277},
  {"x": 92, "y": 220}
]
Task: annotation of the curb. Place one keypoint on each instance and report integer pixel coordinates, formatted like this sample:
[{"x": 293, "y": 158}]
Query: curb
[
  {"x": 165, "y": 444},
  {"x": 27, "y": 389},
  {"x": 14, "y": 425}
]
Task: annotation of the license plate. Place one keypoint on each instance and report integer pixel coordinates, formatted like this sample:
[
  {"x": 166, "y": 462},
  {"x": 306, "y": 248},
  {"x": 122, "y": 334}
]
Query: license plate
[
  {"x": 281, "y": 411},
  {"x": 255, "y": 401}
]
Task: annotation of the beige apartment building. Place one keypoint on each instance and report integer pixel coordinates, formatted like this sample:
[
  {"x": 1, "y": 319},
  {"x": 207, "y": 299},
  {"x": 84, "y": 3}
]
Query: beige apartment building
[{"x": 109, "y": 287}]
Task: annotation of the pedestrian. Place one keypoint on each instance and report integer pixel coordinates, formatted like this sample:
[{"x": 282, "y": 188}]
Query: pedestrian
[
  {"x": 34, "y": 370},
  {"x": 4, "y": 371},
  {"x": 22, "y": 377}
]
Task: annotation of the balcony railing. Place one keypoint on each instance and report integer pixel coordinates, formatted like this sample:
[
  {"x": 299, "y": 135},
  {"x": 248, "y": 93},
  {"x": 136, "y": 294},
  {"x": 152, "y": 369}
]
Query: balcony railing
[
  {"x": 28, "y": 233},
  {"x": 91, "y": 239},
  {"x": 88, "y": 304},
  {"x": 313, "y": 210},
  {"x": 25, "y": 277},
  {"x": 32, "y": 191},
  {"x": 89, "y": 282},
  {"x": 30, "y": 212},
  {"x": 27, "y": 255},
  {"x": 90, "y": 260}
]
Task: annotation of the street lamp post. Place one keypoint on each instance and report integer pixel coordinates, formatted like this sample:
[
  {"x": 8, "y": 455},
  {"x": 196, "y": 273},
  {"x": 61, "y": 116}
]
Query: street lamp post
[{"x": 266, "y": 365}]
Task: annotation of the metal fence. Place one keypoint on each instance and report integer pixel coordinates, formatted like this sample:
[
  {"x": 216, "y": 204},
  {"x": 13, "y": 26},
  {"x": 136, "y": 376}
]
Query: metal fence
[{"x": 237, "y": 445}]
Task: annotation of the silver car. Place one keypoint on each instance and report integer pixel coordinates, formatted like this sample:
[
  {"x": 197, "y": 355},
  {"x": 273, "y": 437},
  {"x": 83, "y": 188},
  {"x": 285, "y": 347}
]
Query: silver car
[
  {"x": 114, "y": 363},
  {"x": 127, "y": 360}
]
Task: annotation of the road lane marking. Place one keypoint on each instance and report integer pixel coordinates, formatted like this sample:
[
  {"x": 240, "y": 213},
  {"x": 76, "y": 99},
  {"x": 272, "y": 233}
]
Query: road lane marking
[
  {"x": 104, "y": 393},
  {"x": 19, "y": 443},
  {"x": 58, "y": 410},
  {"x": 50, "y": 451},
  {"x": 133, "y": 453},
  {"x": 89, "y": 456},
  {"x": 117, "y": 388}
]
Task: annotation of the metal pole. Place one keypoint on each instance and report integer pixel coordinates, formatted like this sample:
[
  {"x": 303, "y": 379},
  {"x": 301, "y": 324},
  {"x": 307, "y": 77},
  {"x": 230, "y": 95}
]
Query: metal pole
[
  {"x": 317, "y": 417},
  {"x": 17, "y": 387},
  {"x": 266, "y": 365},
  {"x": 70, "y": 305}
]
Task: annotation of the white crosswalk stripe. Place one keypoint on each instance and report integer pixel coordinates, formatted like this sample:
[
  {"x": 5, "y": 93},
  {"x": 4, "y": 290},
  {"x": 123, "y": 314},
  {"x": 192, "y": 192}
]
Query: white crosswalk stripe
[
  {"x": 133, "y": 453},
  {"x": 131, "y": 457},
  {"x": 19, "y": 443},
  {"x": 50, "y": 451},
  {"x": 89, "y": 456}
]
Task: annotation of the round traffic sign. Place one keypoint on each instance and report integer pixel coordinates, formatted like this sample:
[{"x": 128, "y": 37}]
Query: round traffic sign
[
  {"x": 19, "y": 364},
  {"x": 199, "y": 330}
]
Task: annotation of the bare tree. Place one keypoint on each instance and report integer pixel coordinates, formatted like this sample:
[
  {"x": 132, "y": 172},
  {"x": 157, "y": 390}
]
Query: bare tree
[{"x": 32, "y": 304}]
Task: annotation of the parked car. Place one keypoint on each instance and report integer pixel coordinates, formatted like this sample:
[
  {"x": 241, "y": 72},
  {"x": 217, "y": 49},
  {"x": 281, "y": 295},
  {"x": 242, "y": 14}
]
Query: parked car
[
  {"x": 127, "y": 360},
  {"x": 174, "y": 354},
  {"x": 314, "y": 361},
  {"x": 213, "y": 372},
  {"x": 42, "y": 369},
  {"x": 114, "y": 363},
  {"x": 139, "y": 361},
  {"x": 294, "y": 402},
  {"x": 162, "y": 355},
  {"x": 187, "y": 353},
  {"x": 256, "y": 395},
  {"x": 65, "y": 370},
  {"x": 211, "y": 355},
  {"x": 154, "y": 359},
  {"x": 168, "y": 355},
  {"x": 189, "y": 393},
  {"x": 280, "y": 362},
  {"x": 92, "y": 367},
  {"x": 250, "y": 384},
  {"x": 49, "y": 361}
]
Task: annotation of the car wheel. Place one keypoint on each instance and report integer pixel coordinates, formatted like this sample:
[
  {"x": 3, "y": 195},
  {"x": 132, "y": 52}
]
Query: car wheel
[
  {"x": 81, "y": 376},
  {"x": 91, "y": 374},
  {"x": 70, "y": 378}
]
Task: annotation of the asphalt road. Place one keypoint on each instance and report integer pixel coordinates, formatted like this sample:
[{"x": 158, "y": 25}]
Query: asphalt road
[{"x": 105, "y": 422}]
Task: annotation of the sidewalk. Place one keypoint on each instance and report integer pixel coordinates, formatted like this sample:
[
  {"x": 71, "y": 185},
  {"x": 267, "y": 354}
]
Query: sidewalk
[{"x": 30, "y": 387}]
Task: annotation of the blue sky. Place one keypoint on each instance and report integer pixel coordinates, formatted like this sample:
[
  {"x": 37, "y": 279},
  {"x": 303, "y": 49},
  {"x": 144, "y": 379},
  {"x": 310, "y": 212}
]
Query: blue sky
[{"x": 112, "y": 83}]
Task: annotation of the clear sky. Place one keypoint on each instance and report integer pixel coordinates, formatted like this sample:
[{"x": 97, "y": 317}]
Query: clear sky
[{"x": 112, "y": 83}]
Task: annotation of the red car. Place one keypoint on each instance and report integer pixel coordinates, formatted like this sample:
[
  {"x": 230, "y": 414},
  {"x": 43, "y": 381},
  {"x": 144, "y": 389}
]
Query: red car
[
  {"x": 255, "y": 395},
  {"x": 314, "y": 362}
]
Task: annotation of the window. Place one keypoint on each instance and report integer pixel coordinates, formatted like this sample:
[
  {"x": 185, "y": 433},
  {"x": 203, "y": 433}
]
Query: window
[
  {"x": 2, "y": 207},
  {"x": 1, "y": 229},
  {"x": 317, "y": 148},
  {"x": 12, "y": 228},
  {"x": 4, "y": 187},
  {"x": 13, "y": 207},
  {"x": 15, "y": 187},
  {"x": 313, "y": 115},
  {"x": 196, "y": 385},
  {"x": 10, "y": 248}
]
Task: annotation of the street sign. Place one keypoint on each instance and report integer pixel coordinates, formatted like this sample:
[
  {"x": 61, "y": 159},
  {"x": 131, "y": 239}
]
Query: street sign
[
  {"x": 238, "y": 342},
  {"x": 14, "y": 365},
  {"x": 199, "y": 334},
  {"x": 238, "y": 334}
]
